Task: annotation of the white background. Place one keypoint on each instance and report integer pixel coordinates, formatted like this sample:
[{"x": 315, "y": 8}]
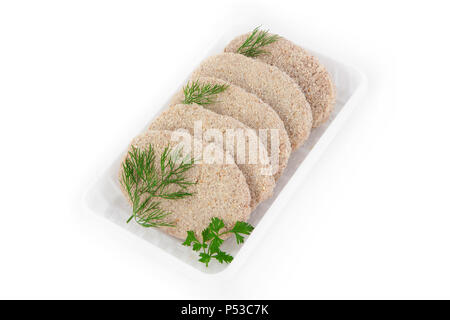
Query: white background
[{"x": 77, "y": 78}]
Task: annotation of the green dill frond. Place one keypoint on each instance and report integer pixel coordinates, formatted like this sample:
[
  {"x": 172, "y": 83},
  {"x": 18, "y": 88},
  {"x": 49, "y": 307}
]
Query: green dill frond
[
  {"x": 143, "y": 183},
  {"x": 251, "y": 47},
  {"x": 152, "y": 216},
  {"x": 202, "y": 94}
]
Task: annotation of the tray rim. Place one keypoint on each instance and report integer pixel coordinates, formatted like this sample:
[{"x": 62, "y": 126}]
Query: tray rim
[{"x": 286, "y": 192}]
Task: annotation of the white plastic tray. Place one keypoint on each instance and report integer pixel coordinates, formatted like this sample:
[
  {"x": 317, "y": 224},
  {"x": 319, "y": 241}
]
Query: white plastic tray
[{"x": 106, "y": 199}]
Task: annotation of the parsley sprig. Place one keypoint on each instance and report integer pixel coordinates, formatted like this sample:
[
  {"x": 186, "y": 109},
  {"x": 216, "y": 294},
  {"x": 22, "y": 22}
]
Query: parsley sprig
[
  {"x": 202, "y": 94},
  {"x": 251, "y": 47},
  {"x": 209, "y": 248},
  {"x": 144, "y": 183}
]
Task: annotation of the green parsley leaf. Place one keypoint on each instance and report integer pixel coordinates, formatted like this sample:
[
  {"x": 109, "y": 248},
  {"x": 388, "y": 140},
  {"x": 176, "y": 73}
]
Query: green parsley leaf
[
  {"x": 205, "y": 258},
  {"x": 223, "y": 257},
  {"x": 241, "y": 227},
  {"x": 190, "y": 238},
  {"x": 215, "y": 245},
  {"x": 216, "y": 224},
  {"x": 207, "y": 235},
  {"x": 211, "y": 236},
  {"x": 239, "y": 238}
]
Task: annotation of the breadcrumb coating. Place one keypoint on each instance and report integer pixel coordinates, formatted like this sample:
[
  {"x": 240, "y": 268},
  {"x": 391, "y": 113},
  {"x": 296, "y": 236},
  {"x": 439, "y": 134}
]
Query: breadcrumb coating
[
  {"x": 251, "y": 111},
  {"x": 183, "y": 116},
  {"x": 229, "y": 200},
  {"x": 270, "y": 84},
  {"x": 306, "y": 70}
]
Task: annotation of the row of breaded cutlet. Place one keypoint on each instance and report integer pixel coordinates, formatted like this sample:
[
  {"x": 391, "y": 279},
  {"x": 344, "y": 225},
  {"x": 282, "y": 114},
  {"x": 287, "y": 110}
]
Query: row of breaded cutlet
[{"x": 264, "y": 85}]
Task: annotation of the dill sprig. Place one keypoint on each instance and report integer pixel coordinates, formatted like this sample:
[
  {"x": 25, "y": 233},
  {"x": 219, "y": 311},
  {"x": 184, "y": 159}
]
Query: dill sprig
[
  {"x": 251, "y": 47},
  {"x": 144, "y": 183},
  {"x": 202, "y": 94}
]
